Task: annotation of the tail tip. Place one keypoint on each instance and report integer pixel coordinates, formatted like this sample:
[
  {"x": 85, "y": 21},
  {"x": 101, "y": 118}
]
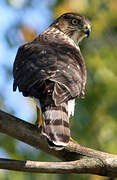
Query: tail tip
[{"x": 52, "y": 145}]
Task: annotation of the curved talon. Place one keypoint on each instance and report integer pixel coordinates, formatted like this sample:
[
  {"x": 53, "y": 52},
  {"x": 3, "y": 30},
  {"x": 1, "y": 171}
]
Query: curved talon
[{"x": 71, "y": 139}]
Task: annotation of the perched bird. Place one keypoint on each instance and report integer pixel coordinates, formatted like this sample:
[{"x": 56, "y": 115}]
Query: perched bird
[{"x": 51, "y": 70}]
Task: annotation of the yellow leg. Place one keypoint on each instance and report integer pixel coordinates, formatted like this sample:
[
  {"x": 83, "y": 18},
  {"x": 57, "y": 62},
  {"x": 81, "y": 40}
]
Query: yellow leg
[
  {"x": 71, "y": 139},
  {"x": 39, "y": 118}
]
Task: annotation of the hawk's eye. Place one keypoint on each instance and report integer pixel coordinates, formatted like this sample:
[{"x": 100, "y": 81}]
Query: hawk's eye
[{"x": 75, "y": 22}]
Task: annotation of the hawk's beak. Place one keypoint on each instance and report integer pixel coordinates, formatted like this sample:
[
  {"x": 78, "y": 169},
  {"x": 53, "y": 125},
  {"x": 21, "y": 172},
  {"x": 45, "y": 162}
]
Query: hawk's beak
[{"x": 87, "y": 29}]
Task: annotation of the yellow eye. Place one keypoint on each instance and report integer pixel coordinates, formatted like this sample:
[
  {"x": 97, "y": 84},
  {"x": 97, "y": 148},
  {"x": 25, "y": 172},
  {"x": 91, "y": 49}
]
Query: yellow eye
[{"x": 75, "y": 22}]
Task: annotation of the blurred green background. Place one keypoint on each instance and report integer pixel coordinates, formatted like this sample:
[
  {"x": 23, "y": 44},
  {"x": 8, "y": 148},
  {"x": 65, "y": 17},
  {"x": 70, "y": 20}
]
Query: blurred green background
[{"x": 95, "y": 121}]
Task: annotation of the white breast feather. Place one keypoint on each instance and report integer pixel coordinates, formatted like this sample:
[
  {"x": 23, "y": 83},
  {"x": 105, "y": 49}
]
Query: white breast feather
[{"x": 71, "y": 107}]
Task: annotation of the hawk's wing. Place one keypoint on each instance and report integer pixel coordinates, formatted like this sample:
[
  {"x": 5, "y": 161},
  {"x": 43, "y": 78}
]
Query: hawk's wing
[
  {"x": 34, "y": 63},
  {"x": 37, "y": 62}
]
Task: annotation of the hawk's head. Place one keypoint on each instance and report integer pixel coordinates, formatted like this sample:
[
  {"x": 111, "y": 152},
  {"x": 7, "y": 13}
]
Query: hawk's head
[{"x": 74, "y": 25}]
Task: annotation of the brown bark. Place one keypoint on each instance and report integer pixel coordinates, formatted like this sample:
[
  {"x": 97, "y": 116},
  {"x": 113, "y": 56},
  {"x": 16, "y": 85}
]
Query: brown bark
[{"x": 81, "y": 159}]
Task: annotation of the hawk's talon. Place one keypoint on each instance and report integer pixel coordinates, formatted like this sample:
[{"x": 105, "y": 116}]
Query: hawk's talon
[
  {"x": 37, "y": 125},
  {"x": 71, "y": 139}
]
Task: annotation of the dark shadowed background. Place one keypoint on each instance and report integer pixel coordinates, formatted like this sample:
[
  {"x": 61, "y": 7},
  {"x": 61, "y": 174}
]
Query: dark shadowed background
[{"x": 95, "y": 121}]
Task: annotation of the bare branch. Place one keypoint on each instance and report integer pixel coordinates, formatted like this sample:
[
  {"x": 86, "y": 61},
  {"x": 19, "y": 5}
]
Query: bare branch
[
  {"x": 80, "y": 166},
  {"x": 89, "y": 165},
  {"x": 88, "y": 160}
]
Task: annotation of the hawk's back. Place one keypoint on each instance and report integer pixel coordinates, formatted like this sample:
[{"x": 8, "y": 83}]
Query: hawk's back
[{"x": 52, "y": 70}]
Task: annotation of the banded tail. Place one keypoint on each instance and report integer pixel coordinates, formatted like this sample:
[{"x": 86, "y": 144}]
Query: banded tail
[{"x": 55, "y": 125}]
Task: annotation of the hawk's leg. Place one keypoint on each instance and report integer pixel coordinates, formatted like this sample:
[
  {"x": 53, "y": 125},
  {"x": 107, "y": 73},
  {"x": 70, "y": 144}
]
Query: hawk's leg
[{"x": 39, "y": 118}]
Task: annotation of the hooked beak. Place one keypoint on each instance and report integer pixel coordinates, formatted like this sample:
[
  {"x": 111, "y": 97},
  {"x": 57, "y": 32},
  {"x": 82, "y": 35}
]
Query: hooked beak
[{"x": 87, "y": 29}]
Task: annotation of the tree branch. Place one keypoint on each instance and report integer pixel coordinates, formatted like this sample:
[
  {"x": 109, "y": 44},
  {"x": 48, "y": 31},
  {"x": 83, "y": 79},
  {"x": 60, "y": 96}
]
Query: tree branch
[
  {"x": 80, "y": 166},
  {"x": 82, "y": 159}
]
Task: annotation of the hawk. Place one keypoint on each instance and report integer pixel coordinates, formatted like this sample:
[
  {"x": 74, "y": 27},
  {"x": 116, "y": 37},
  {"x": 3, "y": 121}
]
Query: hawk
[{"x": 51, "y": 70}]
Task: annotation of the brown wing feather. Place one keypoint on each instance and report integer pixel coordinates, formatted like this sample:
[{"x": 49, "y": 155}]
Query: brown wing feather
[
  {"x": 34, "y": 63},
  {"x": 37, "y": 62}
]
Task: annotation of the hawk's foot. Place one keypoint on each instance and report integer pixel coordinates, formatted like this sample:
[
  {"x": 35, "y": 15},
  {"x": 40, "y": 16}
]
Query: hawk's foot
[{"x": 71, "y": 139}]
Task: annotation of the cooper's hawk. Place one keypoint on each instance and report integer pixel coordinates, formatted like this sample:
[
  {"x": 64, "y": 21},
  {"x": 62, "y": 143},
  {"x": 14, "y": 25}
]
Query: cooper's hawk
[{"x": 51, "y": 70}]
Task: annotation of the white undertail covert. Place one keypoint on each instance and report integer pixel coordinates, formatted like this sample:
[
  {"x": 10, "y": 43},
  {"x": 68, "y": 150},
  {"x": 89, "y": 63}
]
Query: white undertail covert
[{"x": 71, "y": 107}]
